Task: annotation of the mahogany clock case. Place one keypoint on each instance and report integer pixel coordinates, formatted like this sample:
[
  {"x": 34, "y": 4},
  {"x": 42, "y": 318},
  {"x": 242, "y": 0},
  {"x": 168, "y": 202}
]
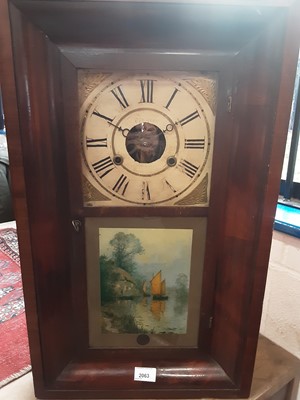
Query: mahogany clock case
[{"x": 252, "y": 48}]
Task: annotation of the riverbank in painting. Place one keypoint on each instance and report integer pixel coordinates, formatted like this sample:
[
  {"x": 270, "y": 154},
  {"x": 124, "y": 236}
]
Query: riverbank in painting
[{"x": 144, "y": 280}]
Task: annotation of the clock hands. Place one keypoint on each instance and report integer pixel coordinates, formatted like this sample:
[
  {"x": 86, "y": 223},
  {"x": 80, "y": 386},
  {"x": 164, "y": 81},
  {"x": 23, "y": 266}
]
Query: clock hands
[
  {"x": 168, "y": 128},
  {"x": 120, "y": 128},
  {"x": 125, "y": 131}
]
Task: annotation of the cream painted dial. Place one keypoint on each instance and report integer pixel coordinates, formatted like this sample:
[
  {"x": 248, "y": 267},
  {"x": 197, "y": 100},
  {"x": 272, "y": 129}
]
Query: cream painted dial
[{"x": 147, "y": 140}]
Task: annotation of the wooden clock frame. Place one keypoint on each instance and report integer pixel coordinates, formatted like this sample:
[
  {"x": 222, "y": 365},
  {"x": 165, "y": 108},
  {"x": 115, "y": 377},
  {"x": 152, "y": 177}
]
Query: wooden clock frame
[{"x": 253, "y": 49}]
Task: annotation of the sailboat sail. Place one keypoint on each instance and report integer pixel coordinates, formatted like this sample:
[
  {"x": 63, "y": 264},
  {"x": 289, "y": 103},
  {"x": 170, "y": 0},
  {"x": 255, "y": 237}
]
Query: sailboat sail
[
  {"x": 158, "y": 287},
  {"x": 163, "y": 287},
  {"x": 156, "y": 284}
]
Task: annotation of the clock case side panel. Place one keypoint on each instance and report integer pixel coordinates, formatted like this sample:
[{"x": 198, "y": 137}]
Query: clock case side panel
[
  {"x": 263, "y": 94},
  {"x": 280, "y": 123},
  {"x": 12, "y": 124},
  {"x": 39, "y": 98}
]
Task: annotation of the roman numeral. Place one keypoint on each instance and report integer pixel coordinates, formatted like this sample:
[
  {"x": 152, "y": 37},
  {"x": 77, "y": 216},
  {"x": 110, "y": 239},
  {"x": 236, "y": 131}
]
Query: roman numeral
[
  {"x": 147, "y": 90},
  {"x": 194, "y": 143},
  {"x": 121, "y": 185},
  {"x": 188, "y": 168},
  {"x": 171, "y": 98},
  {"x": 119, "y": 95},
  {"x": 96, "y": 142},
  {"x": 103, "y": 166},
  {"x": 102, "y": 116},
  {"x": 170, "y": 186},
  {"x": 189, "y": 118},
  {"x": 146, "y": 191}
]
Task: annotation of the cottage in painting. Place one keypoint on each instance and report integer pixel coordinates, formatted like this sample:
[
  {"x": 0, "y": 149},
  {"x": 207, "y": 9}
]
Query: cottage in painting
[{"x": 125, "y": 286}]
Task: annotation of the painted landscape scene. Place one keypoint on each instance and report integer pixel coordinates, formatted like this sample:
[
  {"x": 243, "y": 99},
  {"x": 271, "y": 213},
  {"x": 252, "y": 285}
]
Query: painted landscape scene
[{"x": 144, "y": 280}]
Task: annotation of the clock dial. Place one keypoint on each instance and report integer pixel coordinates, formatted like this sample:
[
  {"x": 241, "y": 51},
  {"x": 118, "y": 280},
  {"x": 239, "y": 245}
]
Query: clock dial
[{"x": 147, "y": 140}]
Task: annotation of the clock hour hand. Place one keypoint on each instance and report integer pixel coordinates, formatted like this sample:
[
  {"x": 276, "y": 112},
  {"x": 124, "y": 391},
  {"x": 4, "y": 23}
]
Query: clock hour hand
[{"x": 124, "y": 131}]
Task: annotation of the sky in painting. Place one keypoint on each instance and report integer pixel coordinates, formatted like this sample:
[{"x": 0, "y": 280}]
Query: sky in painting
[{"x": 168, "y": 250}]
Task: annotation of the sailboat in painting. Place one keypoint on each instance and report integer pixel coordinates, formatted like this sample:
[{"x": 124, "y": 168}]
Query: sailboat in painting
[
  {"x": 145, "y": 289},
  {"x": 158, "y": 287}
]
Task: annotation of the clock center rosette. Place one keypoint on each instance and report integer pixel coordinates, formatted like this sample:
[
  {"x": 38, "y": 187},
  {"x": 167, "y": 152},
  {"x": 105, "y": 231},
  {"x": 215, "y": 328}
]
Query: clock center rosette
[
  {"x": 149, "y": 137},
  {"x": 145, "y": 143}
]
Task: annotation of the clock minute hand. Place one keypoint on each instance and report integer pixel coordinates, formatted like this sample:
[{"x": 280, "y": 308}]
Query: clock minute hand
[
  {"x": 119, "y": 128},
  {"x": 116, "y": 126}
]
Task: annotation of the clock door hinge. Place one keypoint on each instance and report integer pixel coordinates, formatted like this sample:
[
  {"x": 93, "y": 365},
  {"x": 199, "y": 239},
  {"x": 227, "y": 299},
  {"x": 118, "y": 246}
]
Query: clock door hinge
[{"x": 210, "y": 322}]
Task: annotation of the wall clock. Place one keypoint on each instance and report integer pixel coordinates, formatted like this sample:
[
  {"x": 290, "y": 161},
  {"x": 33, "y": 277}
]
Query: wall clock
[{"x": 145, "y": 142}]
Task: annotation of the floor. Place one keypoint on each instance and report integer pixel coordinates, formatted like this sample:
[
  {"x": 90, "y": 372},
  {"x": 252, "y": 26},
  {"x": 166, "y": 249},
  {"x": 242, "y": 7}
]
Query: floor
[{"x": 20, "y": 389}]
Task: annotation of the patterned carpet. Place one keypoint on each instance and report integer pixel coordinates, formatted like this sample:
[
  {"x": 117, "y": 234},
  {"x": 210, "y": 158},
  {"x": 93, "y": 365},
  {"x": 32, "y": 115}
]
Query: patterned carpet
[{"x": 14, "y": 353}]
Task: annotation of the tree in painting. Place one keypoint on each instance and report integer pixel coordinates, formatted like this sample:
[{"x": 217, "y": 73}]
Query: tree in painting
[
  {"x": 120, "y": 281},
  {"x": 119, "y": 278},
  {"x": 108, "y": 279},
  {"x": 181, "y": 287},
  {"x": 125, "y": 248},
  {"x": 181, "y": 293}
]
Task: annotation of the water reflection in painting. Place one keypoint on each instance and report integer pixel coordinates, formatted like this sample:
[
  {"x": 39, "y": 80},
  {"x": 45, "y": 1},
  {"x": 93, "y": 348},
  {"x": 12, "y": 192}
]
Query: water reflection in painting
[{"x": 144, "y": 280}]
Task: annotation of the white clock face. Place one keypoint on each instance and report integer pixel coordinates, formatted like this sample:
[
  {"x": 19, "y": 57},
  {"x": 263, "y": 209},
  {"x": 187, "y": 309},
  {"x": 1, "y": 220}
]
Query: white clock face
[{"x": 146, "y": 140}]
